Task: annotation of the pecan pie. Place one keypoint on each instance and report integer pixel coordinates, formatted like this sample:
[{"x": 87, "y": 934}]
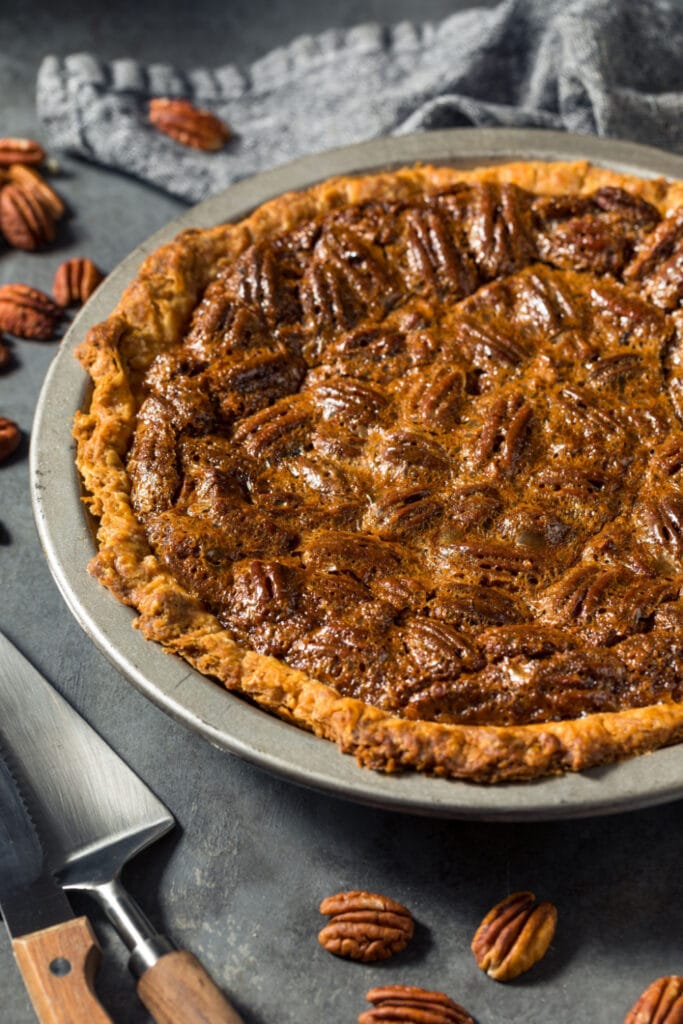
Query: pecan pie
[{"x": 400, "y": 459}]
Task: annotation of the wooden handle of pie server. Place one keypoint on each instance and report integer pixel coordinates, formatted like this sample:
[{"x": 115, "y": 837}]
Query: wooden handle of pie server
[
  {"x": 177, "y": 990},
  {"x": 58, "y": 965}
]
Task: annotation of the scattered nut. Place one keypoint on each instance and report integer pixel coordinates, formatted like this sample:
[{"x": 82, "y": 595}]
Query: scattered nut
[
  {"x": 25, "y": 222},
  {"x": 188, "y": 124},
  {"x": 20, "y": 151},
  {"x": 412, "y": 1005},
  {"x": 28, "y": 312},
  {"x": 514, "y": 936},
  {"x": 10, "y": 436},
  {"x": 365, "y": 926},
  {"x": 6, "y": 359},
  {"x": 75, "y": 280},
  {"x": 660, "y": 1003},
  {"x": 34, "y": 184}
]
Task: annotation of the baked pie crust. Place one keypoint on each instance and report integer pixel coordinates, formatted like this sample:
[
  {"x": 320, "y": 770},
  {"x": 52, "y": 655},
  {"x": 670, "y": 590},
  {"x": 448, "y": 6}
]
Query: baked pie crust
[{"x": 399, "y": 458}]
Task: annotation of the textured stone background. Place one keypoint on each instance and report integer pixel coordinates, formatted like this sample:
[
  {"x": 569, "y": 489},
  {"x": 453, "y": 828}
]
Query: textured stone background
[{"x": 239, "y": 881}]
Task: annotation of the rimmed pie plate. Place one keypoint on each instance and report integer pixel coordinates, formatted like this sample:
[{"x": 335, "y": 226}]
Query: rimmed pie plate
[{"x": 224, "y": 719}]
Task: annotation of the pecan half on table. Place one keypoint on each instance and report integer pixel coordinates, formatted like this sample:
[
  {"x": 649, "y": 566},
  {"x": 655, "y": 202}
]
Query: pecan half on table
[
  {"x": 5, "y": 356},
  {"x": 660, "y": 1003},
  {"x": 514, "y": 936},
  {"x": 20, "y": 151},
  {"x": 10, "y": 436},
  {"x": 25, "y": 220},
  {"x": 365, "y": 926},
  {"x": 412, "y": 1005},
  {"x": 32, "y": 182},
  {"x": 28, "y": 312},
  {"x": 75, "y": 280}
]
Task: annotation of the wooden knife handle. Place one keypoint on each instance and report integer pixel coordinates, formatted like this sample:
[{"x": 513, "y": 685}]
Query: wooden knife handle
[
  {"x": 58, "y": 965},
  {"x": 177, "y": 990}
]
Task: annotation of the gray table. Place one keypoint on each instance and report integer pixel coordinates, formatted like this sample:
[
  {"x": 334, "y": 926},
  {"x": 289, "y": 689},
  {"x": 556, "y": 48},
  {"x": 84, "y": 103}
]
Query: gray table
[{"x": 239, "y": 881}]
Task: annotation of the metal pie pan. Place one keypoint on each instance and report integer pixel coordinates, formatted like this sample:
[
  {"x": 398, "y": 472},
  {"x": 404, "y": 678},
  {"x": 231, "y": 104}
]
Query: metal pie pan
[{"x": 224, "y": 719}]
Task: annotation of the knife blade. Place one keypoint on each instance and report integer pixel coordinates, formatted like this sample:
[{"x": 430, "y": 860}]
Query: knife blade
[
  {"x": 94, "y": 814},
  {"x": 56, "y": 953}
]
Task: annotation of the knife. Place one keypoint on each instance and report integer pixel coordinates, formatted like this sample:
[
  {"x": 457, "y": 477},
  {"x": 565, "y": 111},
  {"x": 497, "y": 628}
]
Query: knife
[
  {"x": 56, "y": 953},
  {"x": 93, "y": 814}
]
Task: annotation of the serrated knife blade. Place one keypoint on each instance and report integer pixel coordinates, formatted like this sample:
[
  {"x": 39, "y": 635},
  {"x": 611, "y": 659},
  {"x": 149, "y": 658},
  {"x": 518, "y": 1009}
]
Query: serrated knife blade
[
  {"x": 56, "y": 953},
  {"x": 94, "y": 814},
  {"x": 85, "y": 796}
]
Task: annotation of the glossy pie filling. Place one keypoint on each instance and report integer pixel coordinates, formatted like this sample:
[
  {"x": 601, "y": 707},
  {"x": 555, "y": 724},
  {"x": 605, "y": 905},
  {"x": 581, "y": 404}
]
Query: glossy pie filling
[{"x": 430, "y": 453}]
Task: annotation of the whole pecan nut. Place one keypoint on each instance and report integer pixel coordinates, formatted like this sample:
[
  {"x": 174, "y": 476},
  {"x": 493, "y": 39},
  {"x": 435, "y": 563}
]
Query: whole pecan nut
[
  {"x": 10, "y": 436},
  {"x": 660, "y": 1003},
  {"x": 28, "y": 312},
  {"x": 365, "y": 926},
  {"x": 514, "y": 935},
  {"x": 75, "y": 280},
  {"x": 412, "y": 1005},
  {"x": 25, "y": 221},
  {"x": 20, "y": 151},
  {"x": 188, "y": 124},
  {"x": 34, "y": 183}
]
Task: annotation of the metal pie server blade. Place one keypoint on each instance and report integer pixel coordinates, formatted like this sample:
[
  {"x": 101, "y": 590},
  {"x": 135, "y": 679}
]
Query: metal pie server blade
[
  {"x": 94, "y": 814},
  {"x": 56, "y": 953}
]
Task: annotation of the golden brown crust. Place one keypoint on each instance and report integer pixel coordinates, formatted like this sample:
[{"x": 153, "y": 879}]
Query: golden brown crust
[{"x": 150, "y": 318}]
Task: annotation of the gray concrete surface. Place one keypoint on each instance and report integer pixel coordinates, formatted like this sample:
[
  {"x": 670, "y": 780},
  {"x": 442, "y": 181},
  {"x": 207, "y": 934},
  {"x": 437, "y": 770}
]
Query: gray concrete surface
[{"x": 240, "y": 879}]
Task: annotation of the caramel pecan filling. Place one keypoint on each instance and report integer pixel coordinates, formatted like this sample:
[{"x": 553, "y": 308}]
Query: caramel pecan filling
[{"x": 430, "y": 453}]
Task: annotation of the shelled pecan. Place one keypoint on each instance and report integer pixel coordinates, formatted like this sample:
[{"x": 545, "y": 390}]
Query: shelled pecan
[
  {"x": 75, "y": 280},
  {"x": 28, "y": 312},
  {"x": 33, "y": 183},
  {"x": 365, "y": 926},
  {"x": 514, "y": 935},
  {"x": 412, "y": 1005},
  {"x": 20, "y": 151},
  {"x": 188, "y": 124},
  {"x": 660, "y": 1003},
  {"x": 5, "y": 356},
  {"x": 10, "y": 436},
  {"x": 25, "y": 220}
]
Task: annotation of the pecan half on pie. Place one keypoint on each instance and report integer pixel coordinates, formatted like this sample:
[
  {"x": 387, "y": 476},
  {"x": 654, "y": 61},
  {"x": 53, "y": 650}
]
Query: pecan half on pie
[{"x": 400, "y": 459}]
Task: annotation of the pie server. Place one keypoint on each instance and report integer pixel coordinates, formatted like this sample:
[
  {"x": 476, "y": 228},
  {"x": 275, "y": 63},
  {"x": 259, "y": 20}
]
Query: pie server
[{"x": 92, "y": 815}]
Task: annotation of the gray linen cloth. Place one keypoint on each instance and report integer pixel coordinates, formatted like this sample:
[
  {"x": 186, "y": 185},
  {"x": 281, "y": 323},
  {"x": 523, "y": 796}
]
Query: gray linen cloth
[{"x": 613, "y": 67}]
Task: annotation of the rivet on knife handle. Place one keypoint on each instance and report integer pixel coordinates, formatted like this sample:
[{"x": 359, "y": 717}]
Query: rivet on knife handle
[{"x": 58, "y": 965}]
